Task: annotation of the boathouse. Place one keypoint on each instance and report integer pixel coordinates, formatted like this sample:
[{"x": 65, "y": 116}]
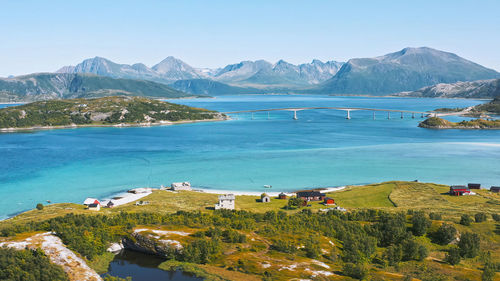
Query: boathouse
[
  {"x": 459, "y": 190},
  {"x": 264, "y": 198},
  {"x": 474, "y": 186},
  {"x": 226, "y": 201},
  {"x": 311, "y": 195},
  {"x": 495, "y": 189},
  {"x": 329, "y": 201},
  {"x": 282, "y": 196}
]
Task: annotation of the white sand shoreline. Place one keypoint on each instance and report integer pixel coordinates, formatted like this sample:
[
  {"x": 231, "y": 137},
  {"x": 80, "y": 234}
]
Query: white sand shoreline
[{"x": 268, "y": 191}]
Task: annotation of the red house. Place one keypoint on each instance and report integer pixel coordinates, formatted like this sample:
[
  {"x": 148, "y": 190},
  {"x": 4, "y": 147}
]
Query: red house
[
  {"x": 311, "y": 195},
  {"x": 282, "y": 196},
  {"x": 329, "y": 201},
  {"x": 459, "y": 190}
]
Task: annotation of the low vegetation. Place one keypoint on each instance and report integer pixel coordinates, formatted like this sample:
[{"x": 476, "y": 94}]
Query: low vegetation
[
  {"x": 100, "y": 111},
  {"x": 398, "y": 230}
]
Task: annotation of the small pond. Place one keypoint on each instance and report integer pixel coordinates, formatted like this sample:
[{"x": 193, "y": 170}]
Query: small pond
[{"x": 143, "y": 267}]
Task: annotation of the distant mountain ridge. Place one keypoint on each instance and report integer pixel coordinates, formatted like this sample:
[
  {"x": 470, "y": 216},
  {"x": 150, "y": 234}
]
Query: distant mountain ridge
[
  {"x": 473, "y": 89},
  {"x": 47, "y": 86},
  {"x": 258, "y": 74},
  {"x": 405, "y": 70}
]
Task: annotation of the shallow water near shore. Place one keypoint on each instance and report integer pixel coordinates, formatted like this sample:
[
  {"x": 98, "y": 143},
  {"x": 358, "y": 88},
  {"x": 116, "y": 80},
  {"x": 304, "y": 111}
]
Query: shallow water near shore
[
  {"x": 321, "y": 149},
  {"x": 143, "y": 267}
]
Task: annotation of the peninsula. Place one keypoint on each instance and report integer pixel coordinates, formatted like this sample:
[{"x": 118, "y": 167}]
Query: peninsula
[
  {"x": 106, "y": 111},
  {"x": 439, "y": 123}
]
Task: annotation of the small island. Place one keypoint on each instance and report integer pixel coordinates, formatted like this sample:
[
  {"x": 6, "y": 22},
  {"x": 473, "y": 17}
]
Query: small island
[
  {"x": 106, "y": 111},
  {"x": 439, "y": 123}
]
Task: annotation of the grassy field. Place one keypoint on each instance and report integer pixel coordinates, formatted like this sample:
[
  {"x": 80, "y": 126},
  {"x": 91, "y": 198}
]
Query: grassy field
[{"x": 389, "y": 196}]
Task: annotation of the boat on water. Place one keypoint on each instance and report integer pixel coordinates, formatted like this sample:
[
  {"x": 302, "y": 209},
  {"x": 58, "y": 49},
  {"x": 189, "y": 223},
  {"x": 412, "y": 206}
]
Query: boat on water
[{"x": 268, "y": 186}]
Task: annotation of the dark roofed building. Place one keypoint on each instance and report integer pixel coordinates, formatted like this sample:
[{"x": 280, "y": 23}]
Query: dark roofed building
[
  {"x": 311, "y": 195},
  {"x": 474, "y": 186},
  {"x": 495, "y": 189},
  {"x": 282, "y": 196},
  {"x": 459, "y": 190}
]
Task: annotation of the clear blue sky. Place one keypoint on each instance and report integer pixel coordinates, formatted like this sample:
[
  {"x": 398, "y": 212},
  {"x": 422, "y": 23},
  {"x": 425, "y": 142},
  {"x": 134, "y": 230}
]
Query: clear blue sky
[{"x": 45, "y": 35}]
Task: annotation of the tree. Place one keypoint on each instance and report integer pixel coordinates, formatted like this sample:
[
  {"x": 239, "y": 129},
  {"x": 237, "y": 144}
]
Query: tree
[
  {"x": 453, "y": 256},
  {"x": 312, "y": 248},
  {"x": 420, "y": 223},
  {"x": 445, "y": 234},
  {"x": 496, "y": 217},
  {"x": 465, "y": 220},
  {"x": 469, "y": 244},
  {"x": 435, "y": 216},
  {"x": 488, "y": 272},
  {"x": 295, "y": 202},
  {"x": 357, "y": 271},
  {"x": 480, "y": 217},
  {"x": 39, "y": 206}
]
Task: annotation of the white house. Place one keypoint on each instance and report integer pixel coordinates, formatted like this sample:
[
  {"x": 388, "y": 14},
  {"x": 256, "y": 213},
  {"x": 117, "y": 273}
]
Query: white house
[
  {"x": 225, "y": 202},
  {"x": 180, "y": 186},
  {"x": 89, "y": 201}
]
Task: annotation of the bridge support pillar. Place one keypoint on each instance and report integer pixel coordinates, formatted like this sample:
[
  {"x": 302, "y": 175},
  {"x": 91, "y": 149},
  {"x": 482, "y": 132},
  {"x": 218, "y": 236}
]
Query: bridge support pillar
[
  {"x": 252, "y": 115},
  {"x": 295, "y": 115},
  {"x": 413, "y": 115},
  {"x": 402, "y": 116},
  {"x": 388, "y": 115},
  {"x": 374, "y": 115},
  {"x": 268, "y": 115},
  {"x": 422, "y": 115},
  {"x": 348, "y": 114}
]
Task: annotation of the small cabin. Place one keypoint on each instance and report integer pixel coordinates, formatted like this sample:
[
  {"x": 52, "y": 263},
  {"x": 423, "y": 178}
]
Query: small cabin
[
  {"x": 474, "y": 186},
  {"x": 226, "y": 201},
  {"x": 264, "y": 198},
  {"x": 282, "y": 196},
  {"x": 95, "y": 207},
  {"x": 110, "y": 204},
  {"x": 459, "y": 190},
  {"x": 89, "y": 201},
  {"x": 311, "y": 195},
  {"x": 495, "y": 189},
  {"x": 329, "y": 201}
]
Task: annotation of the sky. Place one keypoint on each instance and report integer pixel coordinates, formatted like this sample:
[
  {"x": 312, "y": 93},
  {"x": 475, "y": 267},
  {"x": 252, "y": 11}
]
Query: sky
[{"x": 42, "y": 36}]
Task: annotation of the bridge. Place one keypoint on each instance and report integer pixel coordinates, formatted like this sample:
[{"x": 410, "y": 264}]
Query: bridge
[{"x": 348, "y": 111}]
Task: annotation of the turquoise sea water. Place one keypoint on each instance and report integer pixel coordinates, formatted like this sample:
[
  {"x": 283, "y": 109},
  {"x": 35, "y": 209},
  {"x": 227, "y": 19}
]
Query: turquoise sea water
[{"x": 320, "y": 149}]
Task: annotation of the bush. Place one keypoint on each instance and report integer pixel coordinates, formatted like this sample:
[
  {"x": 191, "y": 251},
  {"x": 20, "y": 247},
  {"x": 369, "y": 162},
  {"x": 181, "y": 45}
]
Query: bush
[
  {"x": 420, "y": 223},
  {"x": 465, "y": 220},
  {"x": 445, "y": 234},
  {"x": 453, "y": 256},
  {"x": 488, "y": 272},
  {"x": 435, "y": 216},
  {"x": 39, "y": 206},
  {"x": 469, "y": 244},
  {"x": 480, "y": 217},
  {"x": 357, "y": 271},
  {"x": 496, "y": 217},
  {"x": 295, "y": 202}
]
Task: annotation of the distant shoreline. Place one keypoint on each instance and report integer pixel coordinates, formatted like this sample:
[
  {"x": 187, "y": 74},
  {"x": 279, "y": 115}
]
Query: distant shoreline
[{"x": 121, "y": 125}]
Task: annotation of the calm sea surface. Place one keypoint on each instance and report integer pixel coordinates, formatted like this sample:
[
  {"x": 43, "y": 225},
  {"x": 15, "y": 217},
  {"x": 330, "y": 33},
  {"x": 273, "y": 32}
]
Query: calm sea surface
[{"x": 320, "y": 149}]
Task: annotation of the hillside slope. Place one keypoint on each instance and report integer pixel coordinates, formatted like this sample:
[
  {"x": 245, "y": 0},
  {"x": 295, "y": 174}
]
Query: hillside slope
[
  {"x": 406, "y": 70},
  {"x": 47, "y": 86},
  {"x": 474, "y": 89}
]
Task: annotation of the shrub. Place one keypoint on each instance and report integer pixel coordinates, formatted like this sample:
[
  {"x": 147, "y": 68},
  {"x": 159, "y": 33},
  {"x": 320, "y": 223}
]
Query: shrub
[
  {"x": 420, "y": 223},
  {"x": 295, "y": 202},
  {"x": 357, "y": 271},
  {"x": 469, "y": 244},
  {"x": 39, "y": 206},
  {"x": 445, "y": 234},
  {"x": 480, "y": 217},
  {"x": 465, "y": 220},
  {"x": 435, "y": 216},
  {"x": 496, "y": 217},
  {"x": 453, "y": 256}
]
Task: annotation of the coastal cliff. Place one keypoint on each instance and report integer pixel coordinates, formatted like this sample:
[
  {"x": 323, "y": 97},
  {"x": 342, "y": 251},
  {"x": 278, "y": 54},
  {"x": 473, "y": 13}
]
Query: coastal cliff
[{"x": 107, "y": 111}]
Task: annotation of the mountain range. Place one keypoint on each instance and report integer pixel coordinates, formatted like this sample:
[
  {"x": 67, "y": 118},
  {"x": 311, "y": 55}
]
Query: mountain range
[
  {"x": 406, "y": 70},
  {"x": 47, "y": 86},
  {"x": 258, "y": 74}
]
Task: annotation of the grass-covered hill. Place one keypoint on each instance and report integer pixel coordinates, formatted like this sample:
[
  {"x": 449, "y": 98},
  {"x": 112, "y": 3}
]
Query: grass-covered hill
[
  {"x": 99, "y": 111},
  {"x": 47, "y": 86},
  {"x": 492, "y": 107},
  {"x": 439, "y": 123},
  {"x": 391, "y": 231}
]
